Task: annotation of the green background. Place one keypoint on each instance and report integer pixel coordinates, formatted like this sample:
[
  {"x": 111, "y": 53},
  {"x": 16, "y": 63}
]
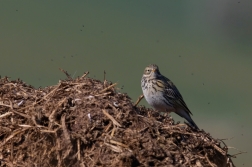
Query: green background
[{"x": 204, "y": 47}]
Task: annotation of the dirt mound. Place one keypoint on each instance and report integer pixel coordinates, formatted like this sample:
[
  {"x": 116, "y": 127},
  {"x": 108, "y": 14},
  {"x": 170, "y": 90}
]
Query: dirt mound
[{"x": 85, "y": 122}]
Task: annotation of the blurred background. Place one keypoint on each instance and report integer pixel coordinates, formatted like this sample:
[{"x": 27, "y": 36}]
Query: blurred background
[{"x": 204, "y": 47}]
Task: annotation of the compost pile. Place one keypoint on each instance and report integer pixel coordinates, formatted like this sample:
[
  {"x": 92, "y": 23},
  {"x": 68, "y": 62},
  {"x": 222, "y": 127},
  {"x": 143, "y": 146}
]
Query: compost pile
[{"x": 86, "y": 122}]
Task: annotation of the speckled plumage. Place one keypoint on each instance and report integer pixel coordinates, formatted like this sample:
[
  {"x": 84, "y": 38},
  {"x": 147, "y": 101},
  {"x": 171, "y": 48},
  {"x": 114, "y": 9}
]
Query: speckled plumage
[{"x": 163, "y": 95}]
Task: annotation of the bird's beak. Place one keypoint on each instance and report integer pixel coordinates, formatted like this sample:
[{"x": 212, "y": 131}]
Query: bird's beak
[{"x": 154, "y": 70}]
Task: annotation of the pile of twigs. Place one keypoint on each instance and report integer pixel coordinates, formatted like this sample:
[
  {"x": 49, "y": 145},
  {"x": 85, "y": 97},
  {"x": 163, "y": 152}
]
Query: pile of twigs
[{"x": 86, "y": 122}]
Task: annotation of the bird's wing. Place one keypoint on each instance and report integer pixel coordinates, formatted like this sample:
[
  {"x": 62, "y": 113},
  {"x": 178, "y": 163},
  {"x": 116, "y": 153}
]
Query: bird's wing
[{"x": 173, "y": 94}]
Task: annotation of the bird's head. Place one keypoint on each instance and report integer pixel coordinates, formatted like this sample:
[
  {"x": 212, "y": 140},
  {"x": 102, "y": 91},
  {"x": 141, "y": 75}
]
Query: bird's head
[{"x": 151, "y": 71}]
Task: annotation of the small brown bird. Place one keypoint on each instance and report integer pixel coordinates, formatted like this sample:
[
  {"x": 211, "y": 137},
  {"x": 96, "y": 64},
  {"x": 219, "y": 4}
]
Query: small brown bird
[{"x": 163, "y": 95}]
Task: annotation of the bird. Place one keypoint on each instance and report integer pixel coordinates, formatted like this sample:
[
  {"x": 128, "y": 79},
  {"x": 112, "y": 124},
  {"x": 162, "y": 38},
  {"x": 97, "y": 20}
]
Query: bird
[{"x": 161, "y": 94}]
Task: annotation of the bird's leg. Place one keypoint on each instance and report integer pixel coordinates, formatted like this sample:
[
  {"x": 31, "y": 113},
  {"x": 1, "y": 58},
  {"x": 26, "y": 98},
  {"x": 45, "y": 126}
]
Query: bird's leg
[{"x": 167, "y": 113}]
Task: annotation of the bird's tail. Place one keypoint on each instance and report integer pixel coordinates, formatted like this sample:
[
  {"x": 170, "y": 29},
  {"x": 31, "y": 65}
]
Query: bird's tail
[{"x": 187, "y": 116}]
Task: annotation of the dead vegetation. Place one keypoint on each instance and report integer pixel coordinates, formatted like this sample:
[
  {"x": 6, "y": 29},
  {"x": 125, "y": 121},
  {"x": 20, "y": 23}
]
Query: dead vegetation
[{"x": 85, "y": 122}]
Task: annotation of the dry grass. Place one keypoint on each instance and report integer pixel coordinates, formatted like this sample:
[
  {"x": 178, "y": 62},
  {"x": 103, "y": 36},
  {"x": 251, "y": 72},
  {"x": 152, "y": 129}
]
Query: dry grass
[{"x": 85, "y": 122}]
